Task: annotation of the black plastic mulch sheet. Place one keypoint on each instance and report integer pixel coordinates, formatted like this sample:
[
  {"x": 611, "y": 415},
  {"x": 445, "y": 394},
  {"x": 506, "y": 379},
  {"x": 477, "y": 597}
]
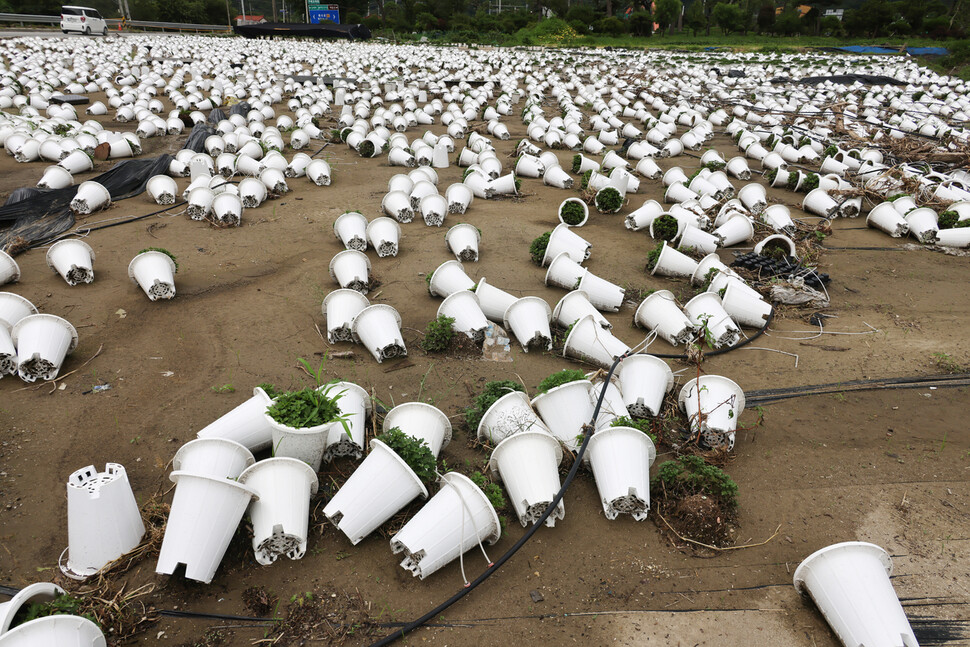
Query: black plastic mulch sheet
[
  {"x": 31, "y": 215},
  {"x": 844, "y": 79},
  {"x": 353, "y": 32}
]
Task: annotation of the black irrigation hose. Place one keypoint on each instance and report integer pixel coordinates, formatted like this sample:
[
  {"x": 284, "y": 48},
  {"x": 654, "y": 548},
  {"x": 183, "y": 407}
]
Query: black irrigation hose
[
  {"x": 721, "y": 351},
  {"x": 940, "y": 381},
  {"x": 587, "y": 434}
]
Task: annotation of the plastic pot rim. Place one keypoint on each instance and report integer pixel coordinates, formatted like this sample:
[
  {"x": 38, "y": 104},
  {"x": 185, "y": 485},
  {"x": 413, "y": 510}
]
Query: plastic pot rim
[
  {"x": 681, "y": 397},
  {"x": 4, "y": 256},
  {"x": 23, "y": 300},
  {"x": 258, "y": 466},
  {"x": 24, "y": 596},
  {"x": 215, "y": 440},
  {"x": 621, "y": 431},
  {"x": 463, "y": 225},
  {"x": 530, "y": 299},
  {"x": 493, "y": 458},
  {"x": 347, "y": 252},
  {"x": 496, "y": 531},
  {"x": 60, "y": 243},
  {"x": 878, "y": 551},
  {"x": 15, "y": 332},
  {"x": 176, "y": 475},
  {"x": 377, "y": 444},
  {"x": 344, "y": 216},
  {"x": 670, "y": 372},
  {"x": 131, "y": 265},
  {"x": 342, "y": 292},
  {"x": 377, "y": 307},
  {"x": 423, "y": 405}
]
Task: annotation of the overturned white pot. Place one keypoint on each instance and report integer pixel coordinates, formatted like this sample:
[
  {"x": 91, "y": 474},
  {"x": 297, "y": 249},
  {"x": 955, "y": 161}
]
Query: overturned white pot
[
  {"x": 850, "y": 584},
  {"x": 510, "y": 414},
  {"x": 252, "y": 192},
  {"x": 660, "y": 313},
  {"x": 281, "y": 514},
  {"x": 448, "y": 278},
  {"x": 744, "y": 308},
  {"x": 154, "y": 273},
  {"x": 459, "y": 196},
  {"x": 528, "y": 464},
  {"x": 576, "y": 223},
  {"x": 355, "y": 404},
  {"x": 103, "y": 520},
  {"x": 42, "y": 341},
  {"x": 422, "y": 421},
  {"x": 737, "y": 229},
  {"x": 528, "y": 318},
  {"x": 590, "y": 342},
  {"x": 378, "y": 327},
  {"x": 203, "y": 519},
  {"x": 673, "y": 263},
  {"x": 380, "y": 486},
  {"x": 162, "y": 189},
  {"x": 886, "y": 218},
  {"x": 463, "y": 240},
  {"x": 340, "y": 307},
  {"x": 644, "y": 381},
  {"x": 350, "y": 229},
  {"x": 351, "y": 269},
  {"x": 227, "y": 209},
  {"x": 90, "y": 197},
  {"x": 384, "y": 235},
  {"x": 319, "y": 172},
  {"x": 565, "y": 409},
  {"x": 245, "y": 424},
  {"x": 603, "y": 294},
  {"x": 55, "y": 177},
  {"x": 564, "y": 240},
  {"x": 493, "y": 301},
  {"x": 73, "y": 259},
  {"x": 60, "y": 630},
  {"x": 620, "y": 458},
  {"x": 923, "y": 224},
  {"x": 9, "y": 270},
  {"x": 456, "y": 519},
  {"x": 469, "y": 319},
  {"x": 713, "y": 404},
  {"x": 706, "y": 310},
  {"x": 573, "y": 307}
]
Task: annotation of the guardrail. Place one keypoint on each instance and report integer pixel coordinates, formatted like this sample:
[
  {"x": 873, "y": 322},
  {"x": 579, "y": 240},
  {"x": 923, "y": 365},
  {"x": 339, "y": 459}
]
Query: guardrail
[{"x": 113, "y": 23}]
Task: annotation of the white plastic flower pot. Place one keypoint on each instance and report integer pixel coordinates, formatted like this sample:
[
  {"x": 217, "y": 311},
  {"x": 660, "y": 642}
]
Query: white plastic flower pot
[
  {"x": 923, "y": 224},
  {"x": 434, "y": 209},
  {"x": 745, "y": 309},
  {"x": 644, "y": 380},
  {"x": 849, "y": 582},
  {"x": 421, "y": 421},
  {"x": 590, "y": 342},
  {"x": 704, "y": 267},
  {"x": 9, "y": 270},
  {"x": 738, "y": 167},
  {"x": 378, "y": 327},
  {"x": 659, "y": 313},
  {"x": 459, "y": 196},
  {"x": 340, "y": 307},
  {"x": 958, "y": 237},
  {"x": 480, "y": 185},
  {"x": 706, "y": 306},
  {"x": 76, "y": 162},
  {"x": 60, "y": 630},
  {"x": 528, "y": 318},
  {"x": 566, "y": 408},
  {"x": 380, "y": 486},
  {"x": 162, "y": 189},
  {"x": 154, "y": 273},
  {"x": 280, "y": 515},
  {"x": 556, "y": 176},
  {"x": 510, "y": 414},
  {"x": 204, "y": 515},
  {"x": 448, "y": 278},
  {"x": 73, "y": 259},
  {"x": 698, "y": 239},
  {"x": 819, "y": 202},
  {"x": 42, "y": 341},
  {"x": 33, "y": 594},
  {"x": 227, "y": 209},
  {"x": 644, "y": 216},
  {"x": 56, "y": 177},
  {"x": 245, "y": 424},
  {"x": 584, "y": 206},
  {"x": 528, "y": 464},
  {"x": 564, "y": 240},
  {"x": 678, "y": 192},
  {"x": 493, "y": 301},
  {"x": 463, "y": 241},
  {"x": 464, "y": 308},
  {"x": 612, "y": 407},
  {"x": 384, "y": 235},
  {"x": 90, "y": 197},
  {"x": 351, "y": 269},
  {"x": 564, "y": 272},
  {"x": 219, "y": 458},
  {"x": 103, "y": 521},
  {"x": 297, "y": 166},
  {"x": 713, "y": 404},
  {"x": 306, "y": 444},
  {"x": 504, "y": 185},
  {"x": 778, "y": 217},
  {"x": 274, "y": 181},
  {"x": 673, "y": 263},
  {"x": 777, "y": 241},
  {"x": 737, "y": 229},
  {"x": 319, "y": 172},
  {"x": 603, "y": 294},
  {"x": 620, "y": 458},
  {"x": 13, "y": 308},
  {"x": 351, "y": 230},
  {"x": 355, "y": 403},
  {"x": 573, "y": 307},
  {"x": 397, "y": 205},
  {"x": 753, "y": 197},
  {"x": 252, "y": 192},
  {"x": 886, "y": 218},
  {"x": 200, "y": 202},
  {"x": 456, "y": 519}
]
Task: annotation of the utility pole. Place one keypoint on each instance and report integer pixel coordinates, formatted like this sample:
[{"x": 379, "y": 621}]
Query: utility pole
[{"x": 275, "y": 15}]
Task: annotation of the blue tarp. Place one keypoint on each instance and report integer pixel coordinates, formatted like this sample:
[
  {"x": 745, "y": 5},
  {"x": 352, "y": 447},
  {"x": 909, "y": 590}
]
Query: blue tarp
[{"x": 916, "y": 51}]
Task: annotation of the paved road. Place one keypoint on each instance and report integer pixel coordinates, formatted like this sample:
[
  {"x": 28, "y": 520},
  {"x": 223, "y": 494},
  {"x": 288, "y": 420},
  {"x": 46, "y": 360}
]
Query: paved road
[{"x": 56, "y": 33}]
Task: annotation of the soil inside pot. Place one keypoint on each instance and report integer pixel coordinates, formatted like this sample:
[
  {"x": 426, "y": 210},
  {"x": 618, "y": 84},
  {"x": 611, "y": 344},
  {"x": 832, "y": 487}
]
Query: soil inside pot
[
  {"x": 665, "y": 228},
  {"x": 572, "y": 213}
]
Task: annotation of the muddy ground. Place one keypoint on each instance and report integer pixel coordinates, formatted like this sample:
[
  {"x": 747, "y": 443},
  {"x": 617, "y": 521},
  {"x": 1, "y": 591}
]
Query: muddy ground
[{"x": 889, "y": 467}]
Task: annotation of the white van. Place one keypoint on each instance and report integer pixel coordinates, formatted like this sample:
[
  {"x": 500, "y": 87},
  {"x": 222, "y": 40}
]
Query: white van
[{"x": 84, "y": 20}]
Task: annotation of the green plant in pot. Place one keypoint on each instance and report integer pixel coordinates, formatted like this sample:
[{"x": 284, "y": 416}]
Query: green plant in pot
[
  {"x": 609, "y": 200},
  {"x": 308, "y": 407},
  {"x": 366, "y": 148},
  {"x": 793, "y": 179},
  {"x": 948, "y": 219},
  {"x": 771, "y": 175},
  {"x": 654, "y": 256},
  {"x": 413, "y": 451},
  {"x": 577, "y": 162},
  {"x": 572, "y": 213},
  {"x": 559, "y": 378},
  {"x": 537, "y": 250},
  {"x": 810, "y": 183},
  {"x": 665, "y": 227}
]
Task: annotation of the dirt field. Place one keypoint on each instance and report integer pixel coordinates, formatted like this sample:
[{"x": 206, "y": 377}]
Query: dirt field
[{"x": 891, "y": 467}]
